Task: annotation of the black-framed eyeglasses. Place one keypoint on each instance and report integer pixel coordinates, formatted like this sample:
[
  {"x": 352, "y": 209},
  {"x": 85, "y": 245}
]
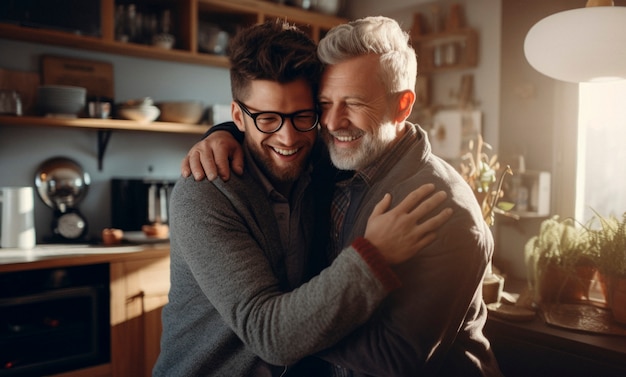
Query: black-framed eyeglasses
[{"x": 269, "y": 122}]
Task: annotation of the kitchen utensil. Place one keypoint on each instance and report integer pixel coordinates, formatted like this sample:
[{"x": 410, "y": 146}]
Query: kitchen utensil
[
  {"x": 61, "y": 185},
  {"x": 141, "y": 110},
  {"x": 146, "y": 101},
  {"x": 331, "y": 7},
  {"x": 10, "y": 103},
  {"x": 61, "y": 100},
  {"x": 181, "y": 111},
  {"x": 99, "y": 108},
  {"x": 212, "y": 39},
  {"x": 136, "y": 202},
  {"x": 17, "y": 222},
  {"x": 157, "y": 203},
  {"x": 141, "y": 114},
  {"x": 164, "y": 41},
  {"x": 112, "y": 236},
  {"x": 304, "y": 4}
]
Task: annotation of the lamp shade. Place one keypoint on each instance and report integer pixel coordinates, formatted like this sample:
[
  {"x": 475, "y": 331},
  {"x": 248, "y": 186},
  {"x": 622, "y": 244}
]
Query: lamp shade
[{"x": 580, "y": 45}]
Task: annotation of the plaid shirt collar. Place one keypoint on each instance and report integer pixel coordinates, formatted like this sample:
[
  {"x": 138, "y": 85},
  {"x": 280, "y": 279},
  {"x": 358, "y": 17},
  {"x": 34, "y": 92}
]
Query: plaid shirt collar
[{"x": 346, "y": 181}]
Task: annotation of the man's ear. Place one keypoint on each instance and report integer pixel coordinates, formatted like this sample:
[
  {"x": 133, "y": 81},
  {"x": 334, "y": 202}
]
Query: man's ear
[
  {"x": 406, "y": 99},
  {"x": 237, "y": 115}
]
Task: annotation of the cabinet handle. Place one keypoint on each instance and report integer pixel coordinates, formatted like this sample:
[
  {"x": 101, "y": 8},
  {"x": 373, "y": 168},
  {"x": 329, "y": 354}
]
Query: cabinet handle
[{"x": 139, "y": 295}]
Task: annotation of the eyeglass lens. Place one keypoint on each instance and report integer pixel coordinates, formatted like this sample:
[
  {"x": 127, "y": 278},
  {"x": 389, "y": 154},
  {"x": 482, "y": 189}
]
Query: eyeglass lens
[
  {"x": 301, "y": 120},
  {"x": 270, "y": 122}
]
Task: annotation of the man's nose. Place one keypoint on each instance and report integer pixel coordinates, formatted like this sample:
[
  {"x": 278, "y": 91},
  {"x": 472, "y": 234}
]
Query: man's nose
[
  {"x": 331, "y": 118},
  {"x": 288, "y": 133}
]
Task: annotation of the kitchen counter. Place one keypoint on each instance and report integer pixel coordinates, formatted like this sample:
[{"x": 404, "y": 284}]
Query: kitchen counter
[
  {"x": 137, "y": 289},
  {"x": 63, "y": 255},
  {"x": 534, "y": 348}
]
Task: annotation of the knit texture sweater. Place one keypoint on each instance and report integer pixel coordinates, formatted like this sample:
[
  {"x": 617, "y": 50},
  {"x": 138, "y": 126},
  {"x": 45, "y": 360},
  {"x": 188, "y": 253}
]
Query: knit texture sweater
[
  {"x": 230, "y": 307},
  {"x": 433, "y": 325}
]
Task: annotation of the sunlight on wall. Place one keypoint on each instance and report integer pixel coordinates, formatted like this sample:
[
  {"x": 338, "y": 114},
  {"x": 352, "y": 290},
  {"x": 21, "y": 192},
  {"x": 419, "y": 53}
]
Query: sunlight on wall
[{"x": 601, "y": 174}]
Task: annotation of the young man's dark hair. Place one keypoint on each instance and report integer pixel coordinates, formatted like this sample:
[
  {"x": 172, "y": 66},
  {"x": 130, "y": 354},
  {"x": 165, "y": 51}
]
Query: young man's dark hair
[{"x": 274, "y": 51}]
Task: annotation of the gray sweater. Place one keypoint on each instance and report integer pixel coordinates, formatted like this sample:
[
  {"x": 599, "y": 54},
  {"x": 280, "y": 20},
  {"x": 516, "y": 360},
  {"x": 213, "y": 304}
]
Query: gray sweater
[
  {"x": 228, "y": 302},
  {"x": 433, "y": 325}
]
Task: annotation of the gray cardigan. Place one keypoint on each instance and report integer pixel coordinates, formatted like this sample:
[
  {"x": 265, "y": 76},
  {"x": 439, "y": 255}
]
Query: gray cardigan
[{"x": 227, "y": 302}]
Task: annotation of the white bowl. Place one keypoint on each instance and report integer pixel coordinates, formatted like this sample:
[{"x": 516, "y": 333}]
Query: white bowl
[{"x": 141, "y": 114}]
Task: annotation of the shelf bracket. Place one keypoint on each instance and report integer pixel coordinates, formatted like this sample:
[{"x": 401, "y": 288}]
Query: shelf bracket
[{"x": 103, "y": 141}]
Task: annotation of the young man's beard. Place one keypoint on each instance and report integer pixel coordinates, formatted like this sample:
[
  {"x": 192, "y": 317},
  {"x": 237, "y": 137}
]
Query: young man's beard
[{"x": 273, "y": 172}]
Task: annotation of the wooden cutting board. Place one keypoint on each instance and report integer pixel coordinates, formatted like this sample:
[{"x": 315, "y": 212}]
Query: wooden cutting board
[{"x": 95, "y": 76}]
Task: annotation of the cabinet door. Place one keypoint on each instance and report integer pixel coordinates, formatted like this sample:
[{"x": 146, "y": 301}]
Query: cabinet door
[{"x": 139, "y": 291}]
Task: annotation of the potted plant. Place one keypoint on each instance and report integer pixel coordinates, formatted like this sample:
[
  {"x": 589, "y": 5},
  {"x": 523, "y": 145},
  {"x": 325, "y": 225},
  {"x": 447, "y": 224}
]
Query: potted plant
[
  {"x": 480, "y": 172},
  {"x": 561, "y": 261},
  {"x": 609, "y": 241}
]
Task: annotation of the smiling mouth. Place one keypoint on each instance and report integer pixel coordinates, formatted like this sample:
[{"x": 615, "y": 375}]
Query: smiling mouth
[
  {"x": 346, "y": 138},
  {"x": 286, "y": 152}
]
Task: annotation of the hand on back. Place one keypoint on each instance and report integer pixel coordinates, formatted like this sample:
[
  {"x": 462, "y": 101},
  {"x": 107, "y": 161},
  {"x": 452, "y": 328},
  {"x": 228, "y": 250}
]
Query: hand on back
[{"x": 401, "y": 232}]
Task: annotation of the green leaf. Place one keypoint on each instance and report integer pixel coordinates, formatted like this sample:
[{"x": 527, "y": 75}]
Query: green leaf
[{"x": 505, "y": 206}]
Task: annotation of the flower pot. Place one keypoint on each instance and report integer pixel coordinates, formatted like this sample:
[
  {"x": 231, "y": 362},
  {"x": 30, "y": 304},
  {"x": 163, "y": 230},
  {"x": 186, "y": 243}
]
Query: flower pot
[
  {"x": 559, "y": 285},
  {"x": 604, "y": 285},
  {"x": 617, "y": 298},
  {"x": 493, "y": 284}
]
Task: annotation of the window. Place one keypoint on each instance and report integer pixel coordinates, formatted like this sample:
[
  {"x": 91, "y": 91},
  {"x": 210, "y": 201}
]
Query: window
[{"x": 601, "y": 170}]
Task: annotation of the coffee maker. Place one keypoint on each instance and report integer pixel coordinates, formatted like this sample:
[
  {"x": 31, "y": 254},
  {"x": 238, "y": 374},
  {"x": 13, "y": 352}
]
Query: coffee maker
[{"x": 139, "y": 201}]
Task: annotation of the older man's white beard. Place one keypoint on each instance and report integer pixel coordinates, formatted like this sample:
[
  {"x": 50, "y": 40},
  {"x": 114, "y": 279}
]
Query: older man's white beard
[{"x": 372, "y": 147}]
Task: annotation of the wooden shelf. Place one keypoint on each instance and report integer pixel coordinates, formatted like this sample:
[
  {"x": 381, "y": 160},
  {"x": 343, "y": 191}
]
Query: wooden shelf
[
  {"x": 103, "y": 124},
  {"x": 104, "y": 127},
  {"x": 60, "y": 38},
  {"x": 188, "y": 14}
]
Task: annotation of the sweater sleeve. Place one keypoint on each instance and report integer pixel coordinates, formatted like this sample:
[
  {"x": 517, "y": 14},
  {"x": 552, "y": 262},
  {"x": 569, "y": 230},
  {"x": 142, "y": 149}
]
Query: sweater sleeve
[
  {"x": 229, "y": 127},
  {"x": 437, "y": 305},
  {"x": 375, "y": 261},
  {"x": 226, "y": 251}
]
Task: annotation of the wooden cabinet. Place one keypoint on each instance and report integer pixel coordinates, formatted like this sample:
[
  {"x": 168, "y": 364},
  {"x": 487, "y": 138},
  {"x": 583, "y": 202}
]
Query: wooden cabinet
[
  {"x": 445, "y": 51},
  {"x": 139, "y": 291},
  {"x": 138, "y": 288},
  {"x": 186, "y": 16},
  {"x": 534, "y": 348},
  {"x": 443, "y": 43}
]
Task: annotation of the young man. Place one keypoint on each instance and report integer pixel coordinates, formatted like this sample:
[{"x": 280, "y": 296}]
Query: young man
[
  {"x": 241, "y": 250},
  {"x": 432, "y": 325}
]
